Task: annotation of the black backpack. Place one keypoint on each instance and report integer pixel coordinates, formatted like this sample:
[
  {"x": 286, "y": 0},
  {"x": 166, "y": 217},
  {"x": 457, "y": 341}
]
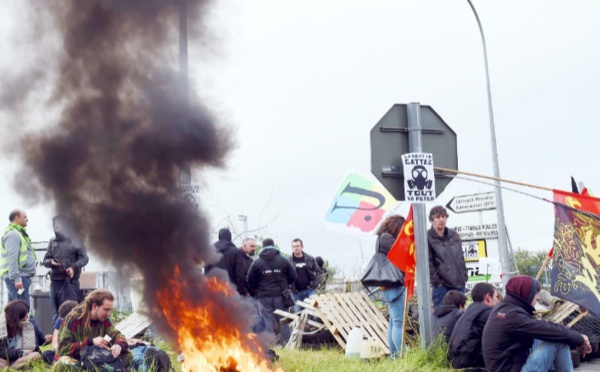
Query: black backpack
[{"x": 95, "y": 358}]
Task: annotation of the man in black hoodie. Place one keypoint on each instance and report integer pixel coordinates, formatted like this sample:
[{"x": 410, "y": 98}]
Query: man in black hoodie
[
  {"x": 228, "y": 250},
  {"x": 464, "y": 348},
  {"x": 269, "y": 275},
  {"x": 446, "y": 315},
  {"x": 65, "y": 257},
  {"x": 514, "y": 341}
]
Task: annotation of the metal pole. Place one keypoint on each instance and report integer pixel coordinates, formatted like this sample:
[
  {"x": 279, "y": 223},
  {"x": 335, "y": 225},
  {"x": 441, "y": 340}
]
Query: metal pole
[
  {"x": 185, "y": 173},
  {"x": 423, "y": 292},
  {"x": 502, "y": 246}
]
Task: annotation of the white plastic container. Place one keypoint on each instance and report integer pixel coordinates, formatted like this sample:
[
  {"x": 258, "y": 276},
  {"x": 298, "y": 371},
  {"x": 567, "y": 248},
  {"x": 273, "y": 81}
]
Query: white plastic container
[{"x": 353, "y": 343}]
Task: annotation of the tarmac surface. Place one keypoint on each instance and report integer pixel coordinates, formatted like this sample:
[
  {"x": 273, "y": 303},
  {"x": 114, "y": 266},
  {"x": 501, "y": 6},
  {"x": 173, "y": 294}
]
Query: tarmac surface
[{"x": 590, "y": 365}]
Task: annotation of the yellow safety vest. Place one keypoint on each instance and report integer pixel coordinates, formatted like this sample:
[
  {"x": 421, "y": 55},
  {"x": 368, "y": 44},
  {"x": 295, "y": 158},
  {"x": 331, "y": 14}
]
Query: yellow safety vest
[{"x": 25, "y": 246}]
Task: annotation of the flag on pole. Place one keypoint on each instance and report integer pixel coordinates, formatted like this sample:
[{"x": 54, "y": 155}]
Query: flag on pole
[
  {"x": 576, "y": 270},
  {"x": 402, "y": 253}
]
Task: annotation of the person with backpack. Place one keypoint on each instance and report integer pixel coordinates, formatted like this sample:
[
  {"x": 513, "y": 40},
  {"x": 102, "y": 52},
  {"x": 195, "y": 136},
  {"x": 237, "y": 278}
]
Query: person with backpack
[
  {"x": 66, "y": 256},
  {"x": 88, "y": 339}
]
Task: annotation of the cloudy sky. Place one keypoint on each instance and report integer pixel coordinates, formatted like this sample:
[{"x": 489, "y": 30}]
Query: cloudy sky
[{"x": 300, "y": 85}]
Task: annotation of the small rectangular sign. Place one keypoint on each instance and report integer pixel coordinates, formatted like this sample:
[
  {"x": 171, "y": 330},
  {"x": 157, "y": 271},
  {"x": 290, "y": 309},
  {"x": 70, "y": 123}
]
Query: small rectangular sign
[
  {"x": 473, "y": 250},
  {"x": 485, "y": 231},
  {"x": 419, "y": 180}
]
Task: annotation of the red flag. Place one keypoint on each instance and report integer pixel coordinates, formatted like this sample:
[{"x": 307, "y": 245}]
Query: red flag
[
  {"x": 551, "y": 253},
  {"x": 583, "y": 202},
  {"x": 402, "y": 253}
]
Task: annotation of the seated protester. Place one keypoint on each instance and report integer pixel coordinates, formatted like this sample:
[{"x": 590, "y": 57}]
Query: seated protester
[
  {"x": 50, "y": 356},
  {"x": 514, "y": 341},
  {"x": 147, "y": 357},
  {"x": 18, "y": 343},
  {"x": 88, "y": 339},
  {"x": 464, "y": 348},
  {"x": 324, "y": 275},
  {"x": 446, "y": 315}
]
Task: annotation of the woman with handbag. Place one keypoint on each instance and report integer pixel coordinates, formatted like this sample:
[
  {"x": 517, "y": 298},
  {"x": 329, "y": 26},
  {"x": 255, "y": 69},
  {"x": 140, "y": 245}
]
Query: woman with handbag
[{"x": 382, "y": 273}]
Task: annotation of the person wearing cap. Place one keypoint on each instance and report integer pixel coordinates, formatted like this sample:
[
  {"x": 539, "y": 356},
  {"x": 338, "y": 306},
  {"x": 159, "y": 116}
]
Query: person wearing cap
[
  {"x": 515, "y": 341},
  {"x": 447, "y": 268}
]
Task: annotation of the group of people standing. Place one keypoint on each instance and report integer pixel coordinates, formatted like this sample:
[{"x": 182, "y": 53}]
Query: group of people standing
[
  {"x": 266, "y": 276},
  {"x": 492, "y": 333}
]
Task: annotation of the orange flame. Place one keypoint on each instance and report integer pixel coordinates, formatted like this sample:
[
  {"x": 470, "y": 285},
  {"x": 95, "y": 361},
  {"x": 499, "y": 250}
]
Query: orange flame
[{"x": 208, "y": 341}]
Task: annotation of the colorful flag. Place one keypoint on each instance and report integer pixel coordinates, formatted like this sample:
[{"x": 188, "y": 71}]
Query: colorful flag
[
  {"x": 402, "y": 253},
  {"x": 359, "y": 205},
  {"x": 576, "y": 270},
  {"x": 584, "y": 202}
]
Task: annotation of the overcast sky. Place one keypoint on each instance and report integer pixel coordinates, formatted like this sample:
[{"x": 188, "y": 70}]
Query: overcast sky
[{"x": 301, "y": 84}]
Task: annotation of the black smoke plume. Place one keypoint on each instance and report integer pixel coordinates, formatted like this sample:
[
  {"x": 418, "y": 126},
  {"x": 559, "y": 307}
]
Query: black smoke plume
[{"x": 112, "y": 159}]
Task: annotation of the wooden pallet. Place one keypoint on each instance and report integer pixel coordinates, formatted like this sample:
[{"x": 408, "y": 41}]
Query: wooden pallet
[
  {"x": 563, "y": 310},
  {"x": 133, "y": 325},
  {"x": 339, "y": 313}
]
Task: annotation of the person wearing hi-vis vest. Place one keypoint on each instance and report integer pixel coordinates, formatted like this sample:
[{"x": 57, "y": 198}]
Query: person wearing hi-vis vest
[{"x": 18, "y": 259}]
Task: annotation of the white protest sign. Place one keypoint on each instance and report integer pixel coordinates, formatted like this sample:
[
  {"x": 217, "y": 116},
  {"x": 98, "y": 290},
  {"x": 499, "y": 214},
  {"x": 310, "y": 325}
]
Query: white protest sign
[{"x": 419, "y": 180}]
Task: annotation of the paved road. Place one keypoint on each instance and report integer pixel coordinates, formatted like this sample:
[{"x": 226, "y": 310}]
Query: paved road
[{"x": 591, "y": 365}]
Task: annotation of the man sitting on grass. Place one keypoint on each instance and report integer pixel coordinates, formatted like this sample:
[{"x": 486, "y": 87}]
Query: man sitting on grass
[
  {"x": 464, "y": 347},
  {"x": 446, "y": 315},
  {"x": 514, "y": 341},
  {"x": 88, "y": 336}
]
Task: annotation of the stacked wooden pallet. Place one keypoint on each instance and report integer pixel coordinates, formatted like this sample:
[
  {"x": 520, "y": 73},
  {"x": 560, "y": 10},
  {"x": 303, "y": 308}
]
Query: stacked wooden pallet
[{"x": 339, "y": 313}]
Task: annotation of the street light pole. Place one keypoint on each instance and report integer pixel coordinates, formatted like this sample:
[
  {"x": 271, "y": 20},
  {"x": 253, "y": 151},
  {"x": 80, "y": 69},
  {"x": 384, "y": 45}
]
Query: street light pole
[
  {"x": 502, "y": 246},
  {"x": 185, "y": 172}
]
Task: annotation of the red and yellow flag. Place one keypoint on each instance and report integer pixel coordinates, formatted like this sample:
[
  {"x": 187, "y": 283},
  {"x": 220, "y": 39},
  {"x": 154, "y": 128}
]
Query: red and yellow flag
[
  {"x": 402, "y": 253},
  {"x": 584, "y": 202}
]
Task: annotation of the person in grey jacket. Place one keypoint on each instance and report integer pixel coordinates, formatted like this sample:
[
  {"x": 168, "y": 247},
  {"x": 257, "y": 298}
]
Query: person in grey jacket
[
  {"x": 447, "y": 269},
  {"x": 17, "y": 259},
  {"x": 65, "y": 257}
]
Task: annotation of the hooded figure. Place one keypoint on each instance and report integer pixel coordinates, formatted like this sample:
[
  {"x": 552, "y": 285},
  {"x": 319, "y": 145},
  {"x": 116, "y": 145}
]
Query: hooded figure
[
  {"x": 65, "y": 257},
  {"x": 511, "y": 330},
  {"x": 227, "y": 249}
]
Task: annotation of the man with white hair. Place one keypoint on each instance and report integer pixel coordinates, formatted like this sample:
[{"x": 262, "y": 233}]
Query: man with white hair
[{"x": 243, "y": 259}]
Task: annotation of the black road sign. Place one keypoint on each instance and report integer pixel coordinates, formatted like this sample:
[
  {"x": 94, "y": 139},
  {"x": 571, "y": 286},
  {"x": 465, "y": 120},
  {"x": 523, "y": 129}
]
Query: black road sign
[{"x": 389, "y": 140}]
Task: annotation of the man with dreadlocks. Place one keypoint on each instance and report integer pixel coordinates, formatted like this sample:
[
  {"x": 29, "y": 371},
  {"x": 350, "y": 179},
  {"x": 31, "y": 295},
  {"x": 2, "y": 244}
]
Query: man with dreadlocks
[{"x": 88, "y": 329}]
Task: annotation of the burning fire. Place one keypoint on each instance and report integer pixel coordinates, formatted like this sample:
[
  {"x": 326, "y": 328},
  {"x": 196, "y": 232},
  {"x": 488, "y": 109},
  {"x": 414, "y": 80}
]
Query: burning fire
[{"x": 208, "y": 341}]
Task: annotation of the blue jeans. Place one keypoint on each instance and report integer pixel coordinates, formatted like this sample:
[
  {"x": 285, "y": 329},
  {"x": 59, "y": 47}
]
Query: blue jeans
[
  {"x": 546, "y": 356},
  {"x": 438, "y": 293},
  {"x": 395, "y": 298},
  {"x": 301, "y": 295},
  {"x": 13, "y": 293},
  {"x": 138, "y": 358}
]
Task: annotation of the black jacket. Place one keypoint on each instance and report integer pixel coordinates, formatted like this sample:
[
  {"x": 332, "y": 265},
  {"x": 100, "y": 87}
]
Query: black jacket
[
  {"x": 444, "y": 319},
  {"x": 242, "y": 265},
  {"x": 446, "y": 259},
  {"x": 510, "y": 331},
  {"x": 227, "y": 261},
  {"x": 69, "y": 253},
  {"x": 270, "y": 273},
  {"x": 311, "y": 267},
  {"x": 464, "y": 347}
]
